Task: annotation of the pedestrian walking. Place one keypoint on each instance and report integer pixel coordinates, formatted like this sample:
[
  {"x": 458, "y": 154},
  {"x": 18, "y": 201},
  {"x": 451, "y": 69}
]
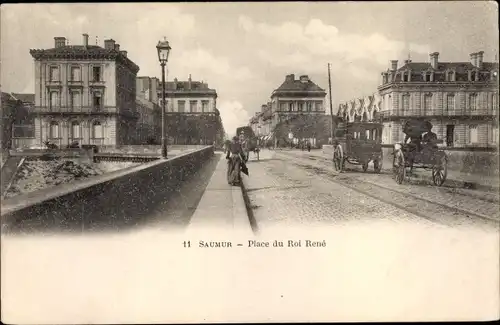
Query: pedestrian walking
[{"x": 235, "y": 161}]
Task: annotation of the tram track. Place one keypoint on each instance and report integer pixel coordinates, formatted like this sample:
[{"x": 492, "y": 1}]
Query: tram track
[{"x": 423, "y": 207}]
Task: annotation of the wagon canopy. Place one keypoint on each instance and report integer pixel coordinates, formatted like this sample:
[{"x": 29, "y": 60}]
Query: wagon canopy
[{"x": 416, "y": 127}]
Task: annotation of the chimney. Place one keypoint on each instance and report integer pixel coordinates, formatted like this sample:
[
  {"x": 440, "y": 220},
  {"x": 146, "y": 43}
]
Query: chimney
[
  {"x": 85, "y": 40},
  {"x": 304, "y": 78},
  {"x": 124, "y": 53},
  {"x": 109, "y": 44},
  {"x": 175, "y": 83},
  {"x": 407, "y": 61},
  {"x": 473, "y": 59},
  {"x": 263, "y": 108},
  {"x": 189, "y": 82},
  {"x": 59, "y": 41},
  {"x": 117, "y": 47},
  {"x": 290, "y": 77},
  {"x": 434, "y": 59},
  {"x": 394, "y": 65},
  {"x": 479, "y": 59}
]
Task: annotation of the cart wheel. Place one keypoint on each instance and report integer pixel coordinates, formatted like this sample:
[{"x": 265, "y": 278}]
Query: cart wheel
[
  {"x": 365, "y": 167},
  {"x": 338, "y": 158},
  {"x": 440, "y": 171},
  {"x": 399, "y": 169}
]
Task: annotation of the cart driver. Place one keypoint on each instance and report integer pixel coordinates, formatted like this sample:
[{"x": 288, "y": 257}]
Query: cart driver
[{"x": 429, "y": 138}]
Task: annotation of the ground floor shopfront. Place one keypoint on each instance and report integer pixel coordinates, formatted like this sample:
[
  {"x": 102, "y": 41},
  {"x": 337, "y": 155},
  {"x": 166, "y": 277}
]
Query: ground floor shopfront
[{"x": 452, "y": 132}]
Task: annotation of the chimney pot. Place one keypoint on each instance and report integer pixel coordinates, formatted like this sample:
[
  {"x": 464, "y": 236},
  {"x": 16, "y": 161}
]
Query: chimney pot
[
  {"x": 304, "y": 78},
  {"x": 290, "y": 77},
  {"x": 394, "y": 65},
  {"x": 85, "y": 40},
  {"x": 109, "y": 44},
  {"x": 479, "y": 59},
  {"x": 59, "y": 42},
  {"x": 434, "y": 59},
  {"x": 473, "y": 59},
  {"x": 124, "y": 53},
  {"x": 117, "y": 47}
]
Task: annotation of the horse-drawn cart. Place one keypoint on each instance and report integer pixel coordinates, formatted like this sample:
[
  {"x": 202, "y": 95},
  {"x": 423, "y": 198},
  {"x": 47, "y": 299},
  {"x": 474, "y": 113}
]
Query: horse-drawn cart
[
  {"x": 420, "y": 152},
  {"x": 358, "y": 143}
]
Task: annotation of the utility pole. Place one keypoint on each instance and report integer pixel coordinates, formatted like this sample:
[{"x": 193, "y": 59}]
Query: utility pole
[{"x": 331, "y": 105}]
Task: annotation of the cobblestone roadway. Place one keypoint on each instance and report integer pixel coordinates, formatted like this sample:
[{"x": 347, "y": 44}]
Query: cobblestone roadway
[{"x": 280, "y": 193}]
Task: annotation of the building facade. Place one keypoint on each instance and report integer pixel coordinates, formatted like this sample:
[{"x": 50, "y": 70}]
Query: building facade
[
  {"x": 84, "y": 93},
  {"x": 460, "y": 99},
  {"x": 191, "y": 109}
]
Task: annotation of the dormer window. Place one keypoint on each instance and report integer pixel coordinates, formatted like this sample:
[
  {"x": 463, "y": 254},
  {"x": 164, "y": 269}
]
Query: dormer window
[
  {"x": 473, "y": 76},
  {"x": 405, "y": 76},
  {"x": 450, "y": 76},
  {"x": 494, "y": 75},
  {"x": 427, "y": 77}
]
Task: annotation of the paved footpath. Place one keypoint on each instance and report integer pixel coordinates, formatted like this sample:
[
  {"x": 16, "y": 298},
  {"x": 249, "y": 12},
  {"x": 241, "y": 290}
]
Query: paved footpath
[{"x": 221, "y": 208}]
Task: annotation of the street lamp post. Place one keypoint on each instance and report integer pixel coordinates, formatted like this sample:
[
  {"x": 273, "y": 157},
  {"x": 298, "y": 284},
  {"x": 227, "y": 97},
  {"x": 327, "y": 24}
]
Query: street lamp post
[{"x": 163, "y": 49}]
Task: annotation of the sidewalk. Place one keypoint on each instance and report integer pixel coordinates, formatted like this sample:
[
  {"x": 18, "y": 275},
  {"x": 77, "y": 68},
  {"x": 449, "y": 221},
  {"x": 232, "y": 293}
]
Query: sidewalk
[
  {"x": 455, "y": 178},
  {"x": 221, "y": 208}
]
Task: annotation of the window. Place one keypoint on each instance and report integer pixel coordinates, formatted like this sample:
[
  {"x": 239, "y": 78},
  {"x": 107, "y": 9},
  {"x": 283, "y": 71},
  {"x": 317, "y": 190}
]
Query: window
[
  {"x": 75, "y": 130},
  {"x": 309, "y": 107},
  {"x": 75, "y": 74},
  {"x": 427, "y": 77},
  {"x": 450, "y": 102},
  {"x": 54, "y": 99},
  {"x": 473, "y": 102},
  {"x": 54, "y": 130},
  {"x": 450, "y": 76},
  {"x": 97, "y": 100},
  {"x": 473, "y": 76},
  {"x": 204, "y": 106},
  {"x": 282, "y": 106},
  {"x": 97, "y": 130},
  {"x": 406, "y": 102},
  {"x": 319, "y": 106},
  {"x": 473, "y": 134},
  {"x": 74, "y": 99},
  {"x": 290, "y": 107},
  {"x": 494, "y": 134},
  {"x": 192, "y": 106},
  {"x": 54, "y": 74},
  {"x": 427, "y": 101},
  {"x": 301, "y": 107},
  {"x": 405, "y": 76},
  {"x": 494, "y": 101},
  {"x": 96, "y": 73},
  {"x": 181, "y": 105}
]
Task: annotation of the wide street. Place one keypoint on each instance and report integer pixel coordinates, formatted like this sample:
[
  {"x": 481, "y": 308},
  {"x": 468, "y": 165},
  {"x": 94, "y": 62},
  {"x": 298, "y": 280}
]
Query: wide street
[{"x": 293, "y": 187}]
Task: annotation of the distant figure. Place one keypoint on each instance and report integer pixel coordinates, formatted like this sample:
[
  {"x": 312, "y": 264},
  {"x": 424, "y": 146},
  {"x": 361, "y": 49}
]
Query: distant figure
[
  {"x": 308, "y": 146},
  {"x": 234, "y": 156}
]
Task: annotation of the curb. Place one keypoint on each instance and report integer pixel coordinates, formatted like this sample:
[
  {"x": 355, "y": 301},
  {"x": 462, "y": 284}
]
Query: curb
[{"x": 249, "y": 211}]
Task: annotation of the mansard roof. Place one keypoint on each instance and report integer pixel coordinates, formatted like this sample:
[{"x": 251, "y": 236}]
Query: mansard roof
[
  {"x": 459, "y": 67},
  {"x": 81, "y": 52},
  {"x": 292, "y": 85}
]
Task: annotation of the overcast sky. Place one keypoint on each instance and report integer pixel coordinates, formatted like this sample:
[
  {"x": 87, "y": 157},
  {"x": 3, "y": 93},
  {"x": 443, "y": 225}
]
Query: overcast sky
[{"x": 244, "y": 50}]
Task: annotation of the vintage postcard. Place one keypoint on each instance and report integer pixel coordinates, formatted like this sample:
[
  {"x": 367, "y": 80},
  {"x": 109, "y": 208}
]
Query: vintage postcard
[{"x": 244, "y": 162}]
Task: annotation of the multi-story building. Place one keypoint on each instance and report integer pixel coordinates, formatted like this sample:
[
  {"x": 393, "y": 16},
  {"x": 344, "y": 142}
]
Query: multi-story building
[
  {"x": 85, "y": 93},
  {"x": 149, "y": 112},
  {"x": 297, "y": 97},
  {"x": 261, "y": 122},
  {"x": 192, "y": 114},
  {"x": 460, "y": 99}
]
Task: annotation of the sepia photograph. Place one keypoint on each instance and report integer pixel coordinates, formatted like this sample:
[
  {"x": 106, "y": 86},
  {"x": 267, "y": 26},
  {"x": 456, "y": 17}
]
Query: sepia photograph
[{"x": 201, "y": 162}]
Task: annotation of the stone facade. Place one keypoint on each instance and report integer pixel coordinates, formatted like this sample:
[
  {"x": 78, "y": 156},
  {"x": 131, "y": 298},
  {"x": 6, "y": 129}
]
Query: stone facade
[
  {"x": 85, "y": 93},
  {"x": 460, "y": 99}
]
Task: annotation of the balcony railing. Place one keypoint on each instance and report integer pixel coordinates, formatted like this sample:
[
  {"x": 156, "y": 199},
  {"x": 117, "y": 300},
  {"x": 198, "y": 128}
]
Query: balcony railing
[
  {"x": 72, "y": 109},
  {"x": 96, "y": 83},
  {"x": 97, "y": 141},
  {"x": 75, "y": 83},
  {"x": 438, "y": 113}
]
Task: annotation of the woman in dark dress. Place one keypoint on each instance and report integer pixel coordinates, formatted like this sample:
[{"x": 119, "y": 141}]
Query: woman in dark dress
[{"x": 234, "y": 156}]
